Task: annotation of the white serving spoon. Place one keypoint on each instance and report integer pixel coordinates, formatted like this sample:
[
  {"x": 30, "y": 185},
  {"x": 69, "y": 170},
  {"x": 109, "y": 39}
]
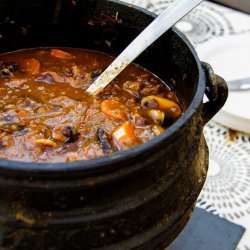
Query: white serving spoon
[{"x": 161, "y": 24}]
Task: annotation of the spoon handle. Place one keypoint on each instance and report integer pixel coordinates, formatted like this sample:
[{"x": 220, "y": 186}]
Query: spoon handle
[{"x": 152, "y": 32}]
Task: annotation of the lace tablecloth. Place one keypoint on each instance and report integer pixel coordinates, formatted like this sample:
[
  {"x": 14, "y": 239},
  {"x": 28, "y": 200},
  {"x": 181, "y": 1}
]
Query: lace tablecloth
[{"x": 227, "y": 188}]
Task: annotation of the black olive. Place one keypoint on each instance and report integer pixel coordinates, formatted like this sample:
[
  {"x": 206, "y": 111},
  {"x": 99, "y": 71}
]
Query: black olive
[
  {"x": 102, "y": 137},
  {"x": 12, "y": 67},
  {"x": 71, "y": 133},
  {"x": 95, "y": 74},
  {"x": 7, "y": 69},
  {"x": 6, "y": 73}
]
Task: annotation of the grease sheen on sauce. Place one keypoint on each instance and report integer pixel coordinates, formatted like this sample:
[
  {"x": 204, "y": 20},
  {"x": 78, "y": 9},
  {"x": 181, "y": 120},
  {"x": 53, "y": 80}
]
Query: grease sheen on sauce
[{"x": 47, "y": 116}]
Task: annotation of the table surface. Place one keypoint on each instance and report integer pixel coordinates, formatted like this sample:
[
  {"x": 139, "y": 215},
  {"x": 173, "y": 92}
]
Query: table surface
[{"x": 227, "y": 189}]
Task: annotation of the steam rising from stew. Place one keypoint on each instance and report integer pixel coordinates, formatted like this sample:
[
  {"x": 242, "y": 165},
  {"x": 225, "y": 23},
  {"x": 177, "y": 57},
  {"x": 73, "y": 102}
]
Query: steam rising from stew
[{"x": 47, "y": 116}]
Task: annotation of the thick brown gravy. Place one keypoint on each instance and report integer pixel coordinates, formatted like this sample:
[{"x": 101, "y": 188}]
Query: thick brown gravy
[{"x": 47, "y": 116}]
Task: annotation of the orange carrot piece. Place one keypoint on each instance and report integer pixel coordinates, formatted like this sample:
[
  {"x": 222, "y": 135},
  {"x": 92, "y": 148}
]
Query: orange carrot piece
[
  {"x": 114, "y": 109},
  {"x": 61, "y": 54},
  {"x": 124, "y": 134},
  {"x": 124, "y": 131},
  {"x": 31, "y": 66},
  {"x": 22, "y": 114}
]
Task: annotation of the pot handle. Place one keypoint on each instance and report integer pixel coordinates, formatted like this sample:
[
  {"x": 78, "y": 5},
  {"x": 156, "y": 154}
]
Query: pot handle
[{"x": 216, "y": 92}]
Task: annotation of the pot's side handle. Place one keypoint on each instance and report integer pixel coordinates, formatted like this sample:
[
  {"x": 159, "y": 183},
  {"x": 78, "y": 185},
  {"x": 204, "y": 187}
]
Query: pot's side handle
[{"x": 216, "y": 92}]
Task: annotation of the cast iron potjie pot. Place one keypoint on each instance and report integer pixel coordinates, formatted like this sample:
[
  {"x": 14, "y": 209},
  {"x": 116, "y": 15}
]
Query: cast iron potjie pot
[{"x": 140, "y": 198}]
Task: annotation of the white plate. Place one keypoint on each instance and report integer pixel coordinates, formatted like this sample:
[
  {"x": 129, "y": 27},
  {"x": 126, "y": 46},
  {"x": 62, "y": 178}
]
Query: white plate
[{"x": 230, "y": 58}]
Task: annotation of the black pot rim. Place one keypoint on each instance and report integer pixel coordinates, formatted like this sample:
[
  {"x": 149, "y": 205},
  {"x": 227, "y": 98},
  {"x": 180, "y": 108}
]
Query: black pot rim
[{"x": 96, "y": 165}]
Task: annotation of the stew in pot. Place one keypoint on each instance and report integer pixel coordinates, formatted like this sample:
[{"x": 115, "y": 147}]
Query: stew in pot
[{"x": 47, "y": 116}]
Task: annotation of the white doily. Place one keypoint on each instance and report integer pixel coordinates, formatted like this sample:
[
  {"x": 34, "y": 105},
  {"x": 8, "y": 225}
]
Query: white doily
[
  {"x": 205, "y": 22},
  {"x": 227, "y": 189}
]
